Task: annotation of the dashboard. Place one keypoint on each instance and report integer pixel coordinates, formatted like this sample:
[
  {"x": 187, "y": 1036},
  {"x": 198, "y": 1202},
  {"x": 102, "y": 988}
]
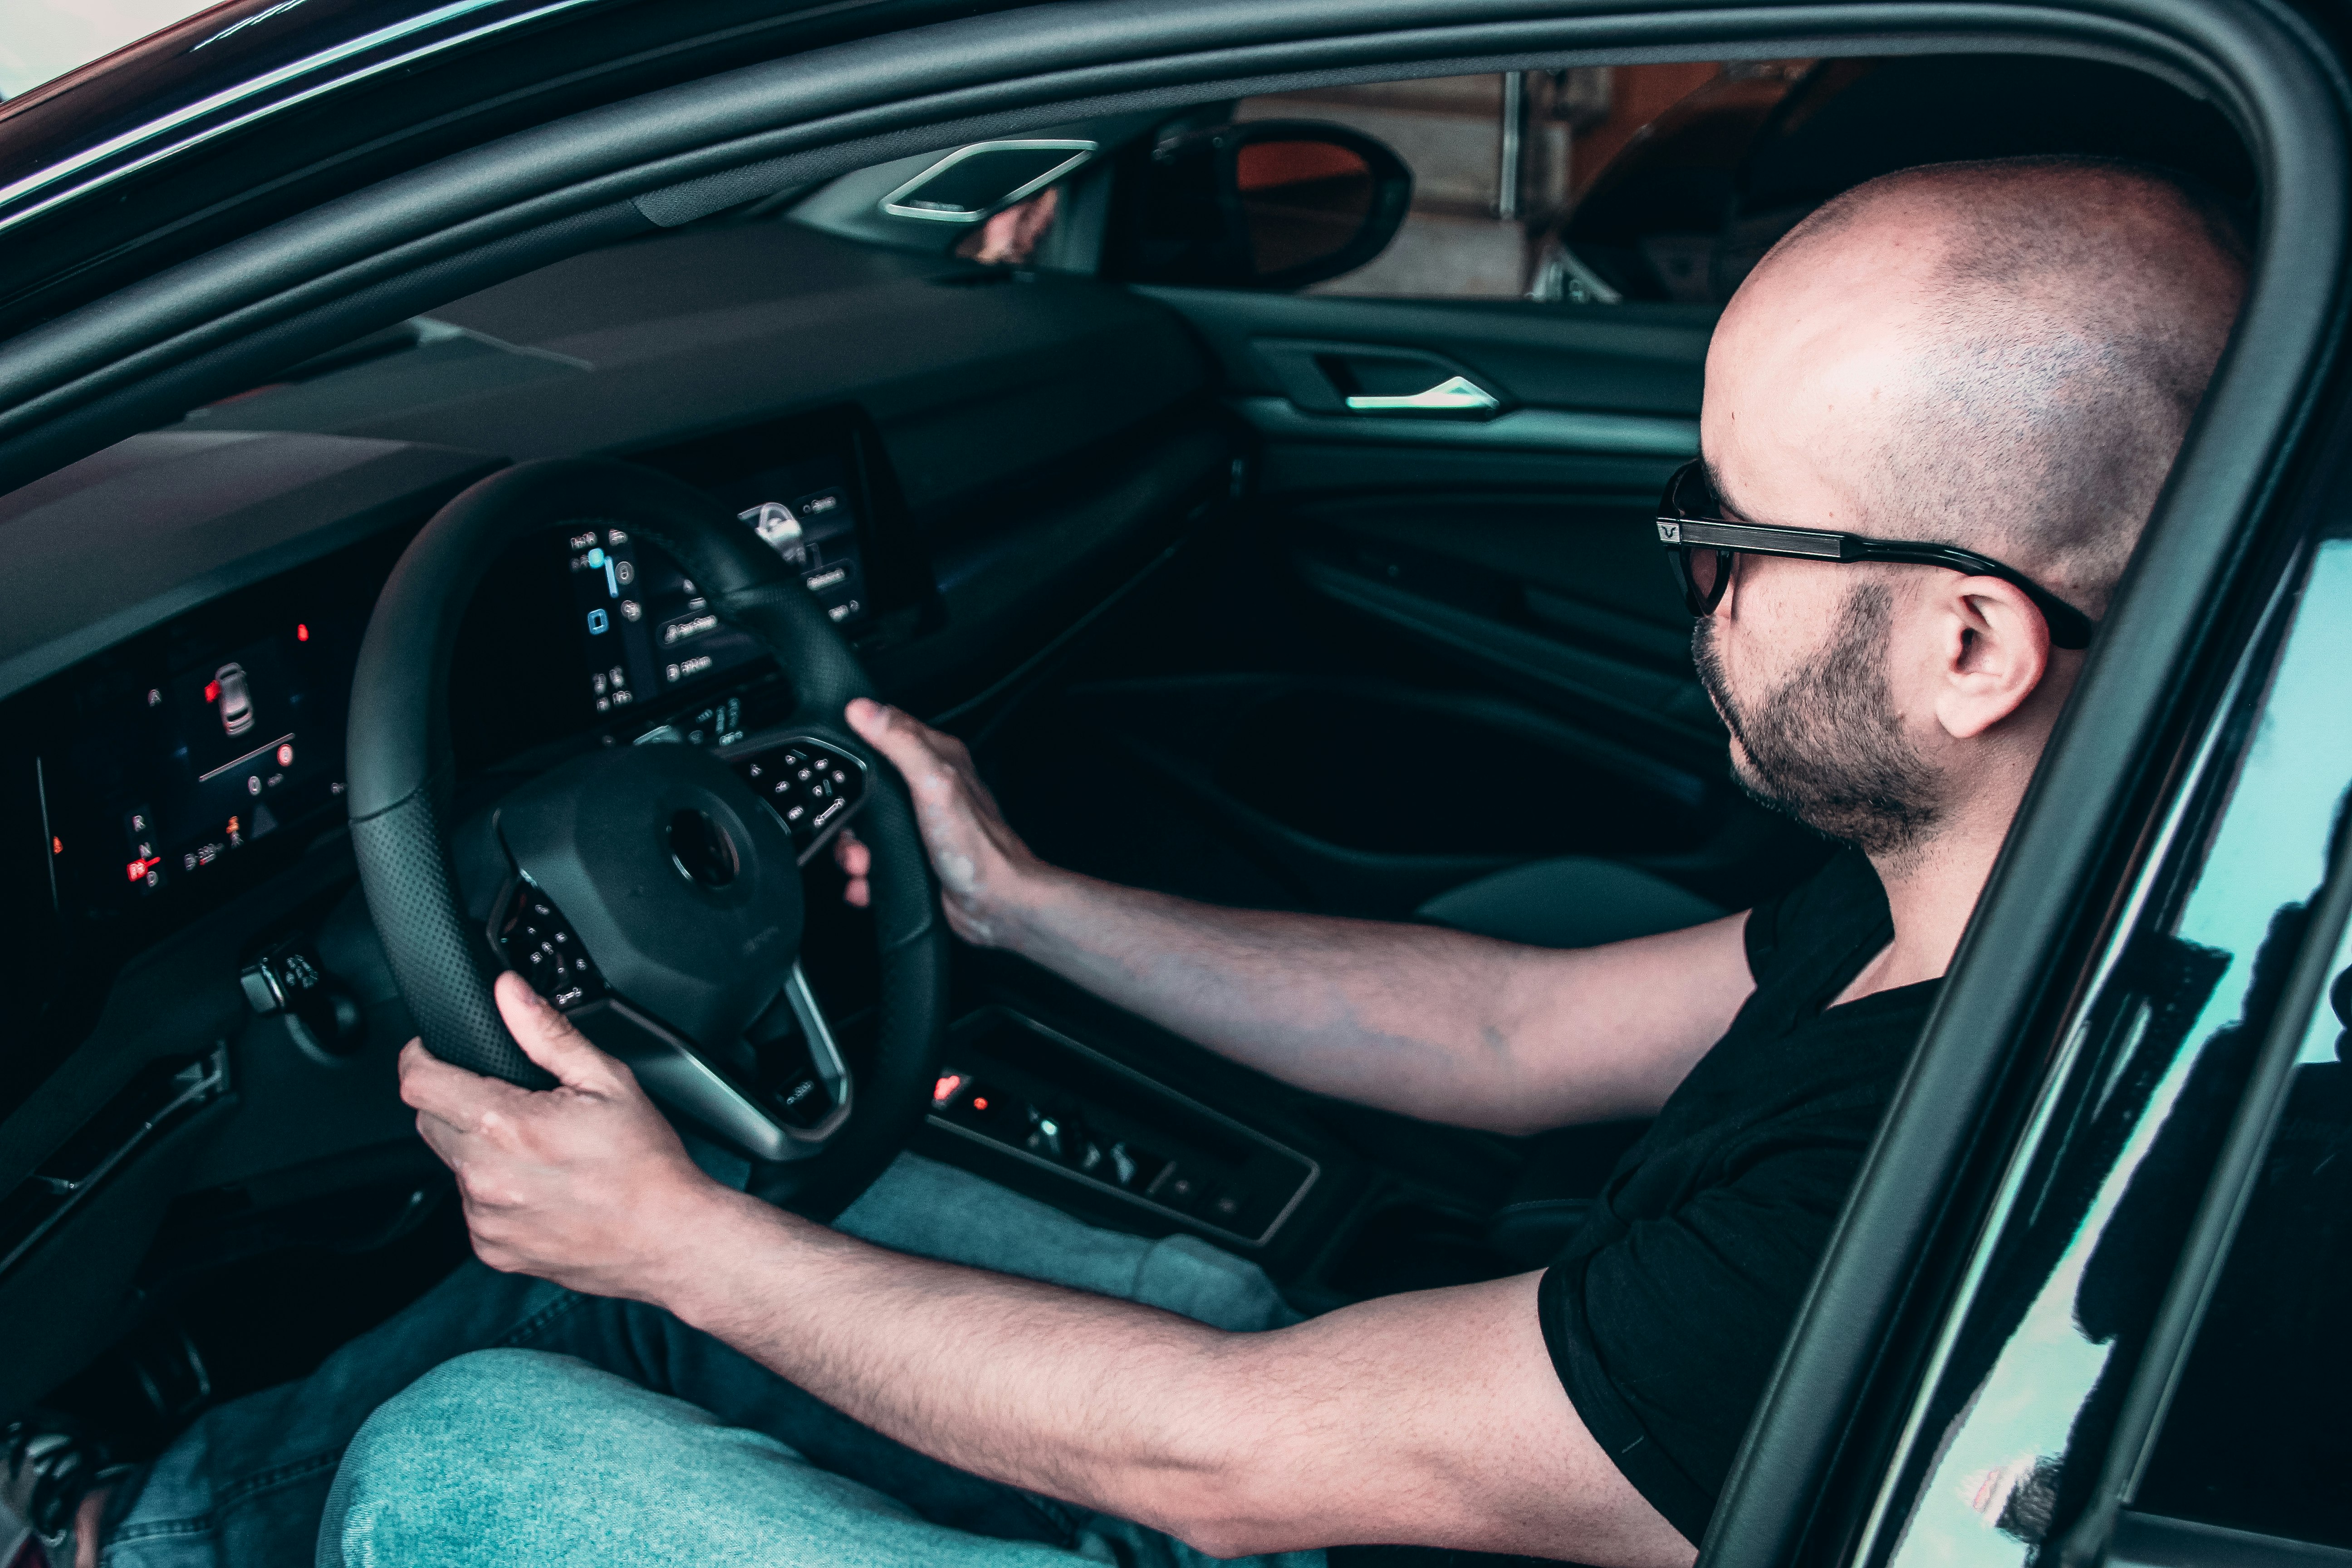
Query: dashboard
[
  {"x": 963, "y": 467},
  {"x": 960, "y": 466},
  {"x": 184, "y": 766}
]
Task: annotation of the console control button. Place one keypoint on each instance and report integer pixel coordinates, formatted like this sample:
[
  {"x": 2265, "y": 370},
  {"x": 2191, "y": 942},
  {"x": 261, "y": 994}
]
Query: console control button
[
  {"x": 1176, "y": 1189},
  {"x": 1045, "y": 1135}
]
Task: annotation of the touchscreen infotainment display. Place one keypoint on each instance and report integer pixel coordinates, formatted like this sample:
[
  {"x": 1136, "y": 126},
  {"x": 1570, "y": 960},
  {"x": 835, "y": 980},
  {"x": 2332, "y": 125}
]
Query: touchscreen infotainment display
[{"x": 645, "y": 629}]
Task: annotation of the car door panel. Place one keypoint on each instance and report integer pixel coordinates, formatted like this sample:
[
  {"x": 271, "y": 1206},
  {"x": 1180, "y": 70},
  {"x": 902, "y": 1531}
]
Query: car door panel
[
  {"x": 1478, "y": 592},
  {"x": 1520, "y": 542}
]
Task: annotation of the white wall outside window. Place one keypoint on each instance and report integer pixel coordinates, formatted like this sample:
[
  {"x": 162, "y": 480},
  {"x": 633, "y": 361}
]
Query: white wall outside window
[{"x": 42, "y": 40}]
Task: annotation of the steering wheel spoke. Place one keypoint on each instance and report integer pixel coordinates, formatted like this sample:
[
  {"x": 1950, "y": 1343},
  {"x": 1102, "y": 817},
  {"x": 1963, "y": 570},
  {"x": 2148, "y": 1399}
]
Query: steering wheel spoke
[
  {"x": 779, "y": 1097},
  {"x": 805, "y": 1079}
]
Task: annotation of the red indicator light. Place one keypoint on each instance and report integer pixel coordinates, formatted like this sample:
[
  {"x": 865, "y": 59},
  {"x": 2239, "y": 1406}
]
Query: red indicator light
[
  {"x": 301, "y": 631},
  {"x": 56, "y": 845},
  {"x": 139, "y": 868},
  {"x": 211, "y": 691},
  {"x": 949, "y": 1084},
  {"x": 285, "y": 756},
  {"x": 980, "y": 1103}
]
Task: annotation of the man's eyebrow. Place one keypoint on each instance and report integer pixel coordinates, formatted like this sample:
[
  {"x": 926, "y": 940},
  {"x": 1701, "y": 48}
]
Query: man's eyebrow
[{"x": 1714, "y": 482}]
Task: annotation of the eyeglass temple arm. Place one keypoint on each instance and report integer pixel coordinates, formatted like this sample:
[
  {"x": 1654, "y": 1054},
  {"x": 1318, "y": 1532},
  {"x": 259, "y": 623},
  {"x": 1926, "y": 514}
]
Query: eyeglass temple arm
[{"x": 2069, "y": 627}]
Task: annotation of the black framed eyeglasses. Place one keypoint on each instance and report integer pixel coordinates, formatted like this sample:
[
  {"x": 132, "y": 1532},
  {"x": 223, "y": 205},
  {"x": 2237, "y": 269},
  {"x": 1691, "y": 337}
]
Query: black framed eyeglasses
[{"x": 1700, "y": 544}]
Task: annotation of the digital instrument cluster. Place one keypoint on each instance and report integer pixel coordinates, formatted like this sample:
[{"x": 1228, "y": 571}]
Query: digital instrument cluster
[{"x": 645, "y": 629}]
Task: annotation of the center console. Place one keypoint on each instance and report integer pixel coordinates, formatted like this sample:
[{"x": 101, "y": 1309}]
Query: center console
[{"x": 1104, "y": 1138}]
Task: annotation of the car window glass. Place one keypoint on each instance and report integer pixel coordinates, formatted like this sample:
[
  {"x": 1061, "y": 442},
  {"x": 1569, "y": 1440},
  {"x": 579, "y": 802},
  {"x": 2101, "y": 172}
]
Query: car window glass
[
  {"x": 2256, "y": 1436},
  {"x": 1496, "y": 159},
  {"x": 2006, "y": 1443},
  {"x": 1678, "y": 200}
]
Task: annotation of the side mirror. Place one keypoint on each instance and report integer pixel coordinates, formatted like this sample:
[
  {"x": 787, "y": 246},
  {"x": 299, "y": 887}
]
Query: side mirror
[{"x": 1271, "y": 204}]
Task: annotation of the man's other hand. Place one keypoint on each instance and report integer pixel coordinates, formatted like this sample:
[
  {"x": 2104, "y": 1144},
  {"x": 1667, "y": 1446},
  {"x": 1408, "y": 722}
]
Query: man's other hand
[
  {"x": 585, "y": 1183},
  {"x": 985, "y": 872}
]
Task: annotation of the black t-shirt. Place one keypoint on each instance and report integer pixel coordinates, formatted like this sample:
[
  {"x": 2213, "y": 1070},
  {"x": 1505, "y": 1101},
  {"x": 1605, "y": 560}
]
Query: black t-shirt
[{"x": 1665, "y": 1313}]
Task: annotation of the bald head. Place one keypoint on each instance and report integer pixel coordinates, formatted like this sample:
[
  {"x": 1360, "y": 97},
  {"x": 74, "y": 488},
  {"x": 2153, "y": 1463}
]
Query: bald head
[{"x": 2002, "y": 355}]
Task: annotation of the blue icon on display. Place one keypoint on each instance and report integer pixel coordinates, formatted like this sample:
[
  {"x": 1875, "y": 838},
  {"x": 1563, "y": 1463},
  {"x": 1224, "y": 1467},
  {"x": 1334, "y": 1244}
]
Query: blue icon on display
[
  {"x": 596, "y": 560},
  {"x": 598, "y": 621}
]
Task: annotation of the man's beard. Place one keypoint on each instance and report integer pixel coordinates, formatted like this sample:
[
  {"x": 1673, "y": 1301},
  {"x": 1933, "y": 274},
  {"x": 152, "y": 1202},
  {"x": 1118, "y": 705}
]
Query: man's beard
[{"x": 1827, "y": 747}]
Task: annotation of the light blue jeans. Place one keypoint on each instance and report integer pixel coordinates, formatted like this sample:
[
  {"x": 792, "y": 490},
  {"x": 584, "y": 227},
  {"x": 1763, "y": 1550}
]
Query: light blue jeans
[{"x": 507, "y": 1420}]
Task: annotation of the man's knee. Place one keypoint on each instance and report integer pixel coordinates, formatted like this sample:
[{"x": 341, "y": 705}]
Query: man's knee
[
  {"x": 475, "y": 1447},
  {"x": 512, "y": 1456}
]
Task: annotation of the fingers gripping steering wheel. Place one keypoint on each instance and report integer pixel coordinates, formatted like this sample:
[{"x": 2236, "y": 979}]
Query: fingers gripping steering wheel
[{"x": 681, "y": 884}]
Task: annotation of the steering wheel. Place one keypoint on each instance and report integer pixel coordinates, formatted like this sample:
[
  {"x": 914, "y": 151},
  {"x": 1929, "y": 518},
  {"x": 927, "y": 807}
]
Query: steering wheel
[{"x": 655, "y": 893}]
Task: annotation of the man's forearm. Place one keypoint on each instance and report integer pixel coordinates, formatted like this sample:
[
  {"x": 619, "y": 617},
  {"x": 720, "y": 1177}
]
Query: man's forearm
[
  {"x": 1431, "y": 1417},
  {"x": 951, "y": 1360},
  {"x": 1432, "y": 1022}
]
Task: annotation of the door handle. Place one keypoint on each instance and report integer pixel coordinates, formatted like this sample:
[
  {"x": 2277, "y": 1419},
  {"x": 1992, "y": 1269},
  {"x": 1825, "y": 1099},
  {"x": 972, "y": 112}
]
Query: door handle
[{"x": 1454, "y": 395}]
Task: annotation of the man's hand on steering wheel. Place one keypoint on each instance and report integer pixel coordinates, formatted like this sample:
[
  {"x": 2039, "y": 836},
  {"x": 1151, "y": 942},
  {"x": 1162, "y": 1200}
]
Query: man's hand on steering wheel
[
  {"x": 586, "y": 1184},
  {"x": 986, "y": 873}
]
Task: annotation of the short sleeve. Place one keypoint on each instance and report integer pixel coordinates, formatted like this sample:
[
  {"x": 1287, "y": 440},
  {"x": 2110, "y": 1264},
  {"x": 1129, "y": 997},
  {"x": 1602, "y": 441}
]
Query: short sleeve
[{"x": 1663, "y": 1337}]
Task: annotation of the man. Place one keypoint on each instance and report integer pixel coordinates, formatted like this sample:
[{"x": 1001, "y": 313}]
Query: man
[{"x": 2001, "y": 357}]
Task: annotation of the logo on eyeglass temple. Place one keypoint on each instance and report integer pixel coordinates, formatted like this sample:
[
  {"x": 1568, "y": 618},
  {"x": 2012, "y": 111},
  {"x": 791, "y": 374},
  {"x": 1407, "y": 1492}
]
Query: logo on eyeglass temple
[{"x": 1670, "y": 532}]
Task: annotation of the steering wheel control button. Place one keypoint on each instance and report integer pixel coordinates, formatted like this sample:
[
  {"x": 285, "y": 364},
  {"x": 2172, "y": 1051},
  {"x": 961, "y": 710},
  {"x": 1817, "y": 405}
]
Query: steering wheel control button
[
  {"x": 702, "y": 850},
  {"x": 804, "y": 1102},
  {"x": 811, "y": 787},
  {"x": 540, "y": 945}
]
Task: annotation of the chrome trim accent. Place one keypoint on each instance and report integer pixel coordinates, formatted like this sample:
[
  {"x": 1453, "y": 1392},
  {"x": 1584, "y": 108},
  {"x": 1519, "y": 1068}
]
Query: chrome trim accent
[
  {"x": 677, "y": 1076},
  {"x": 1454, "y": 395},
  {"x": 228, "y": 97},
  {"x": 824, "y": 1053},
  {"x": 673, "y": 1072},
  {"x": 49, "y": 834},
  {"x": 1080, "y": 151},
  {"x": 1521, "y": 430}
]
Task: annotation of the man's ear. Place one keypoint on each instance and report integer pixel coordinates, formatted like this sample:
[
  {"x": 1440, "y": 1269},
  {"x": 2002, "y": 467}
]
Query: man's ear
[{"x": 1993, "y": 649}]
